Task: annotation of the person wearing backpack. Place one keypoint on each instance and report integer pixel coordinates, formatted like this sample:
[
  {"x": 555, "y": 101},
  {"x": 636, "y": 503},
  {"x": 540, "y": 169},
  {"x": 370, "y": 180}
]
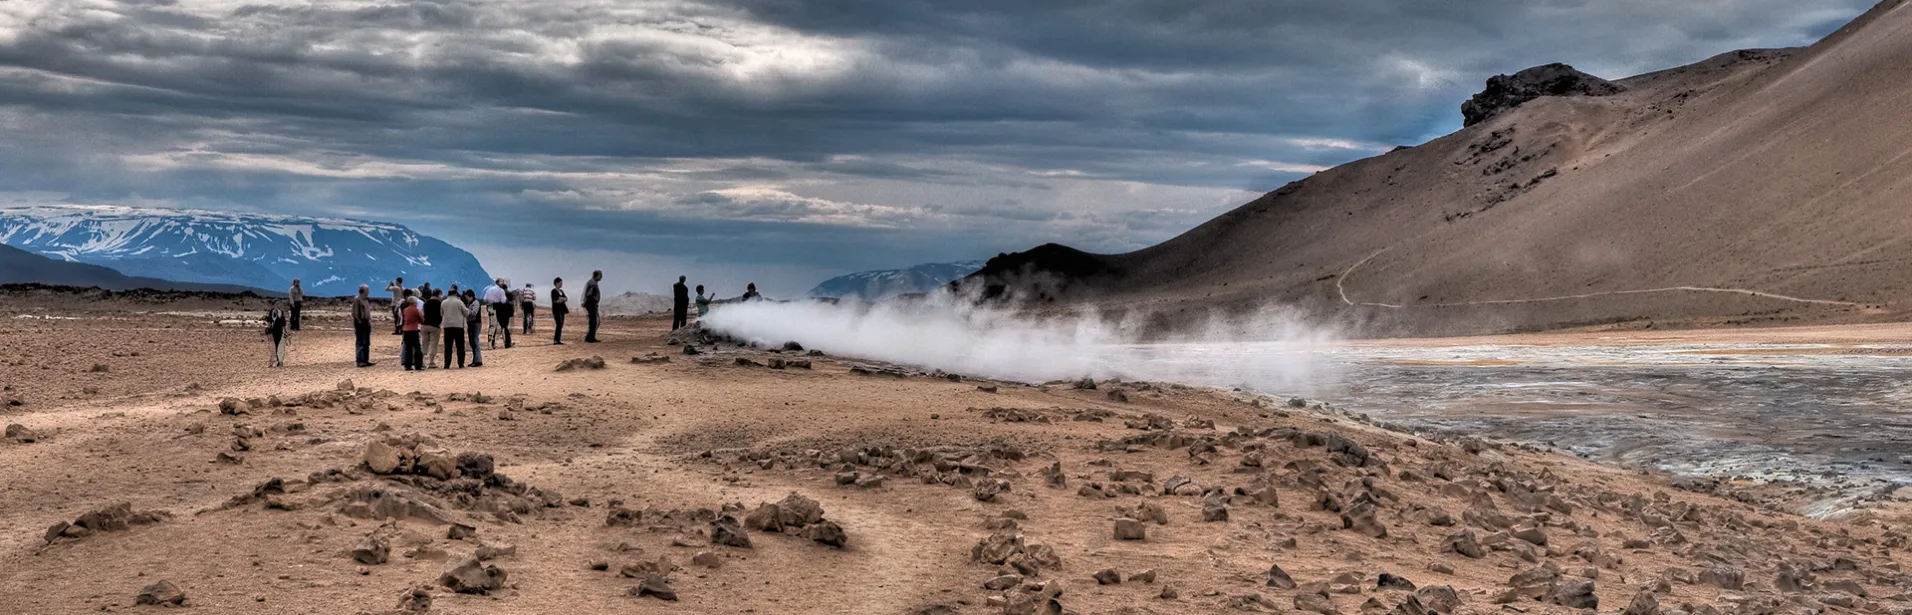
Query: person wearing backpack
[{"x": 276, "y": 332}]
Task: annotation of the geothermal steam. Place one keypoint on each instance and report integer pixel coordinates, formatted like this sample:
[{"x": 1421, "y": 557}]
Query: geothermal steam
[{"x": 1267, "y": 351}]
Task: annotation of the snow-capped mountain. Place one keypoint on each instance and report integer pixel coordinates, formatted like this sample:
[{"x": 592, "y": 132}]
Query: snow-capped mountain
[
  {"x": 874, "y": 285},
  {"x": 330, "y": 256}
]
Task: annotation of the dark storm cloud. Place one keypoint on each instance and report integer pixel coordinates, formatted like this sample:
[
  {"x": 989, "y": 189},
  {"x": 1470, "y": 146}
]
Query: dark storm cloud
[{"x": 768, "y": 130}]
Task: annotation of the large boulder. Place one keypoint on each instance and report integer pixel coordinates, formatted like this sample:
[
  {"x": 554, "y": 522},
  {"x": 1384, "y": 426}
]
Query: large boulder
[{"x": 1508, "y": 91}]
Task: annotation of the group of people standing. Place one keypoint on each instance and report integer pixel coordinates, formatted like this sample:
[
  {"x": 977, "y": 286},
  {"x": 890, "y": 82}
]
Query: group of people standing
[{"x": 430, "y": 319}]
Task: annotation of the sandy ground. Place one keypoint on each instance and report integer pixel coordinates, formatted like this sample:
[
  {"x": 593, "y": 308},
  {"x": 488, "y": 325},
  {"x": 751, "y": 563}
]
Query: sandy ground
[{"x": 634, "y": 462}]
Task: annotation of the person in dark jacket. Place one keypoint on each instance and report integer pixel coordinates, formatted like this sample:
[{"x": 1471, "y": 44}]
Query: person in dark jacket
[
  {"x": 474, "y": 327},
  {"x": 591, "y": 297},
  {"x": 559, "y": 308},
  {"x": 680, "y": 304},
  {"x": 276, "y": 322},
  {"x": 362, "y": 325}
]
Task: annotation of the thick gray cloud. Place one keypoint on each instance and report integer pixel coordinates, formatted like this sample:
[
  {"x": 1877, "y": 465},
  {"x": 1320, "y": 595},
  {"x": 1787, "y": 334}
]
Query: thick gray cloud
[{"x": 819, "y": 134}]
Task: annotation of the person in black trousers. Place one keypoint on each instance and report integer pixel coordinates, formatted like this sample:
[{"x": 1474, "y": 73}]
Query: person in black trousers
[
  {"x": 591, "y": 307},
  {"x": 558, "y": 309},
  {"x": 452, "y": 322},
  {"x": 362, "y": 325},
  {"x": 680, "y": 304},
  {"x": 297, "y": 296}
]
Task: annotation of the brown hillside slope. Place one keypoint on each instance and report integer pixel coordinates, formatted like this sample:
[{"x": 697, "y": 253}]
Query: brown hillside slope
[{"x": 1754, "y": 186}]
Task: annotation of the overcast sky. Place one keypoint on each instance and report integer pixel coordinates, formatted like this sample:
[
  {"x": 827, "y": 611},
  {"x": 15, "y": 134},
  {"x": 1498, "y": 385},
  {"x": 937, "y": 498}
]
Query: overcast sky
[{"x": 780, "y": 141}]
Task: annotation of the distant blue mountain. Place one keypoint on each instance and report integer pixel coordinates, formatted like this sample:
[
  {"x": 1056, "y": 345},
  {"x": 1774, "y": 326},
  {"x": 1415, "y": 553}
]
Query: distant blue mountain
[
  {"x": 331, "y": 256},
  {"x": 874, "y": 285}
]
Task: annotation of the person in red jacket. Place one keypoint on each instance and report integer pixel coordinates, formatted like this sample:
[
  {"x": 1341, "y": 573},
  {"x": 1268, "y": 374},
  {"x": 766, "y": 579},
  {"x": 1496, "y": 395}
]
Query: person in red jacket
[{"x": 412, "y": 355}]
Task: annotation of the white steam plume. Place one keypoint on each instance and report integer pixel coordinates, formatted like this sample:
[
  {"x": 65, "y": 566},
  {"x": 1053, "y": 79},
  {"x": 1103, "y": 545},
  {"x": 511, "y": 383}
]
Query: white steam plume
[{"x": 1269, "y": 351}]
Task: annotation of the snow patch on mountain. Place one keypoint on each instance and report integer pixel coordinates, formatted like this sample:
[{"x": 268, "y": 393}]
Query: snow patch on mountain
[
  {"x": 331, "y": 256},
  {"x": 874, "y": 285}
]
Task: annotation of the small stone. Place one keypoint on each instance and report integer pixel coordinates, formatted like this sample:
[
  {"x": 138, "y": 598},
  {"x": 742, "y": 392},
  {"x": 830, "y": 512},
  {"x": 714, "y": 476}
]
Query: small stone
[
  {"x": 655, "y": 586},
  {"x": 1388, "y": 581},
  {"x": 1146, "y": 576},
  {"x": 1463, "y": 542},
  {"x": 372, "y": 550},
  {"x": 1108, "y": 576},
  {"x": 1279, "y": 579},
  {"x": 707, "y": 559},
  {"x": 1003, "y": 582},
  {"x": 460, "y": 531},
  {"x": 19, "y": 433},
  {"x": 1169, "y": 593},
  {"x": 163, "y": 593},
  {"x": 1573, "y": 593},
  {"x": 1315, "y": 603},
  {"x": 826, "y": 532},
  {"x": 728, "y": 532},
  {"x": 469, "y": 576},
  {"x": 1643, "y": 604},
  {"x": 1130, "y": 529}
]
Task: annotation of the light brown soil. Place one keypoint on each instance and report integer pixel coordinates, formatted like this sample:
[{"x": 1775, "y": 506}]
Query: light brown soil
[{"x": 701, "y": 432}]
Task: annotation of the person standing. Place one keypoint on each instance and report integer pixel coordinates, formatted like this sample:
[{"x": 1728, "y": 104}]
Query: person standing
[
  {"x": 527, "y": 305},
  {"x": 591, "y": 297},
  {"x": 397, "y": 288},
  {"x": 559, "y": 308},
  {"x": 297, "y": 296},
  {"x": 276, "y": 332},
  {"x": 474, "y": 326},
  {"x": 750, "y": 293},
  {"x": 362, "y": 325},
  {"x": 429, "y": 330},
  {"x": 703, "y": 302},
  {"x": 680, "y": 304},
  {"x": 499, "y": 298},
  {"x": 412, "y": 319},
  {"x": 452, "y": 321}
]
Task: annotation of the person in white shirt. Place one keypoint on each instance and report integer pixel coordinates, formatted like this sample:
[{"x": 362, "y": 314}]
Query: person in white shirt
[
  {"x": 528, "y": 304},
  {"x": 499, "y": 298}
]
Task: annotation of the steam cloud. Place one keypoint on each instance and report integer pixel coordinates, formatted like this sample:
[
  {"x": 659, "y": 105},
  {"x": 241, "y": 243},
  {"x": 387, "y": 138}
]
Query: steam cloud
[{"x": 1269, "y": 351}]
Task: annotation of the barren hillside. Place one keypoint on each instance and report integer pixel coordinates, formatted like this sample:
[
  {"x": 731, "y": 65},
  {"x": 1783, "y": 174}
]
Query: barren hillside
[{"x": 1755, "y": 186}]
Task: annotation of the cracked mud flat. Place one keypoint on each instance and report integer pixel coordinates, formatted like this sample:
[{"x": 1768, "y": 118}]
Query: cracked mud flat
[{"x": 517, "y": 488}]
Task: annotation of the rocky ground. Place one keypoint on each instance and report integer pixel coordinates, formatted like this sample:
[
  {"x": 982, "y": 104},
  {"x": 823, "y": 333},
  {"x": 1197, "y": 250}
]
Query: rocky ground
[{"x": 158, "y": 462}]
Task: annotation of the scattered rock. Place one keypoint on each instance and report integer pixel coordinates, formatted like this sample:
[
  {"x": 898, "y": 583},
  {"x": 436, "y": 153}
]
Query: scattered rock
[
  {"x": 1644, "y": 603},
  {"x": 1130, "y": 529},
  {"x": 655, "y": 586},
  {"x": 372, "y": 550},
  {"x": 594, "y": 362},
  {"x": 1574, "y": 593},
  {"x": 826, "y": 532},
  {"x": 469, "y": 576},
  {"x": 1146, "y": 576},
  {"x": 163, "y": 593},
  {"x": 1315, "y": 603},
  {"x": 651, "y": 358},
  {"x": 707, "y": 559},
  {"x": 19, "y": 433},
  {"x": 1108, "y": 576},
  {"x": 728, "y": 532},
  {"x": 1279, "y": 579}
]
